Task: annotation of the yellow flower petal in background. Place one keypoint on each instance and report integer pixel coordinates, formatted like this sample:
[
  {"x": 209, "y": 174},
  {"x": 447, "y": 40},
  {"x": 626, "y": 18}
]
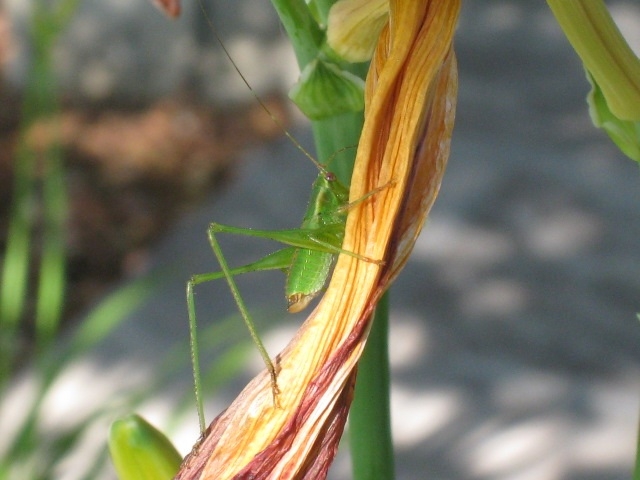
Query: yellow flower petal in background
[
  {"x": 409, "y": 108},
  {"x": 353, "y": 27}
]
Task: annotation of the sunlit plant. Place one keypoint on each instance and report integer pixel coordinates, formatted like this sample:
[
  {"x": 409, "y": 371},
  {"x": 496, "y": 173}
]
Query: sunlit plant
[{"x": 288, "y": 420}]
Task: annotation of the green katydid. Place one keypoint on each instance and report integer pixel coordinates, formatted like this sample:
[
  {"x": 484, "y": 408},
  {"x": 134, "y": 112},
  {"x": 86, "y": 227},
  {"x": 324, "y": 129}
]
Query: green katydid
[{"x": 307, "y": 261}]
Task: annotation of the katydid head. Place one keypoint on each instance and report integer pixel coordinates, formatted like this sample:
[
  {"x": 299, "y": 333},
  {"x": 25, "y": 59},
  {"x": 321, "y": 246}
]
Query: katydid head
[{"x": 330, "y": 176}]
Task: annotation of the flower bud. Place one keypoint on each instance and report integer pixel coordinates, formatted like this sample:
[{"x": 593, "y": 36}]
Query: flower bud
[
  {"x": 324, "y": 90},
  {"x": 354, "y": 27},
  {"x": 624, "y": 133},
  {"x": 140, "y": 451}
]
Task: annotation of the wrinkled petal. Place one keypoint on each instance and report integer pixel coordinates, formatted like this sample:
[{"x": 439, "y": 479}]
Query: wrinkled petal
[{"x": 409, "y": 109}]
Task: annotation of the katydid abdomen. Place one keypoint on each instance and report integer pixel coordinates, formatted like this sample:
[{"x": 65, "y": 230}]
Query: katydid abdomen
[
  {"x": 307, "y": 277},
  {"x": 310, "y": 268}
]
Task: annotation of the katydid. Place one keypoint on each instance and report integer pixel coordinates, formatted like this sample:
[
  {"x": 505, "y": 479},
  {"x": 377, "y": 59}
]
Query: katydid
[{"x": 307, "y": 261}]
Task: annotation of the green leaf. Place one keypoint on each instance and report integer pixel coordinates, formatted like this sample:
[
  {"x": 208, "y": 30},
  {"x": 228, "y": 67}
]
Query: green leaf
[{"x": 324, "y": 90}]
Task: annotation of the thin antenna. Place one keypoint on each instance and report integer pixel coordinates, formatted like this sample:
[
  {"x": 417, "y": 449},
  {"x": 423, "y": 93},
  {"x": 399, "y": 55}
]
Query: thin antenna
[{"x": 255, "y": 95}]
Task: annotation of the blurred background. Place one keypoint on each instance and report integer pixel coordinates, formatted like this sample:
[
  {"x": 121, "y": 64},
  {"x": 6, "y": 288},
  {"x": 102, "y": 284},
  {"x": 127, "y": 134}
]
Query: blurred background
[{"x": 515, "y": 341}]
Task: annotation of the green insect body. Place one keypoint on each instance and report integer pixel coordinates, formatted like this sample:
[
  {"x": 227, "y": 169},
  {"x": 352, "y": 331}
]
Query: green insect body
[
  {"x": 307, "y": 277},
  {"x": 310, "y": 269},
  {"x": 307, "y": 262},
  {"x": 313, "y": 247}
]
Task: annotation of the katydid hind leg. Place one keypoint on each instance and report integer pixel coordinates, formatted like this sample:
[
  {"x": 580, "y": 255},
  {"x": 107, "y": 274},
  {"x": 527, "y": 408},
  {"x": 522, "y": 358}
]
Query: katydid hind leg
[
  {"x": 195, "y": 355},
  {"x": 326, "y": 238},
  {"x": 279, "y": 260},
  {"x": 215, "y": 246}
]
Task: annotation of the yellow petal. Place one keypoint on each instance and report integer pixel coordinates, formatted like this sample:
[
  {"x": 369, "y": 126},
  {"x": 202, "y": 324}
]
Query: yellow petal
[
  {"x": 353, "y": 27},
  {"x": 410, "y": 102}
]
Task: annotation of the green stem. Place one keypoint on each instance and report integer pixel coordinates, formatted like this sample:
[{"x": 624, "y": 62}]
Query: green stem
[
  {"x": 51, "y": 282},
  {"x": 336, "y": 133},
  {"x": 17, "y": 260},
  {"x": 302, "y": 29},
  {"x": 371, "y": 444},
  {"x": 13, "y": 287},
  {"x": 370, "y": 416},
  {"x": 51, "y": 267},
  {"x": 47, "y": 22}
]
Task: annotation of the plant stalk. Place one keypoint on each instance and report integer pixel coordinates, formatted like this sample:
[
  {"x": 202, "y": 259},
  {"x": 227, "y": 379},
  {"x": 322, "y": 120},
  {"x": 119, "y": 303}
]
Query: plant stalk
[
  {"x": 370, "y": 417},
  {"x": 371, "y": 444}
]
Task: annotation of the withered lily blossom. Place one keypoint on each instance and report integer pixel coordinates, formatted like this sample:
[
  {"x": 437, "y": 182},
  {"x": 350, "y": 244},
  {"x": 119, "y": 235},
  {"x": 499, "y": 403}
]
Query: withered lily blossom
[{"x": 410, "y": 104}]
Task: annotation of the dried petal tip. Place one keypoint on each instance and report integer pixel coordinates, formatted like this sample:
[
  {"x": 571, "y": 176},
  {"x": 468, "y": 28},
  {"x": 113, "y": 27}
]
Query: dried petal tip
[
  {"x": 140, "y": 451},
  {"x": 171, "y": 8},
  {"x": 354, "y": 27}
]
